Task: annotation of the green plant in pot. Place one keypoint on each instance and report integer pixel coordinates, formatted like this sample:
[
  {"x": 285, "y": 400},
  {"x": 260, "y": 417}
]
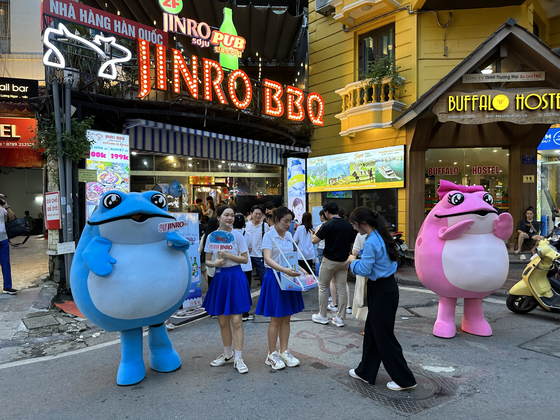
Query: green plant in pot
[
  {"x": 378, "y": 72},
  {"x": 74, "y": 145}
]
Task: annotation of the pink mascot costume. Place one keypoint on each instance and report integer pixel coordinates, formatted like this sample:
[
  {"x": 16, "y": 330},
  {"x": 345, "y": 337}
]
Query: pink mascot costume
[{"x": 460, "y": 253}]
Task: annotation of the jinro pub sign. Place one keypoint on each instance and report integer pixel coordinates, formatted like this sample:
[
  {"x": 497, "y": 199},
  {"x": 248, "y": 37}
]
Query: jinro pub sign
[
  {"x": 201, "y": 78},
  {"x": 519, "y": 106}
]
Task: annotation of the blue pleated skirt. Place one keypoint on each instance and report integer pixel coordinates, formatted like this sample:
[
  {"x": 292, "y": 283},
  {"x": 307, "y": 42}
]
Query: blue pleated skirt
[
  {"x": 276, "y": 302},
  {"x": 229, "y": 292}
]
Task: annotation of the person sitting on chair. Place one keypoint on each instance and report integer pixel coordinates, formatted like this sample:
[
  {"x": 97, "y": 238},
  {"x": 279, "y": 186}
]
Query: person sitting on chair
[{"x": 528, "y": 229}]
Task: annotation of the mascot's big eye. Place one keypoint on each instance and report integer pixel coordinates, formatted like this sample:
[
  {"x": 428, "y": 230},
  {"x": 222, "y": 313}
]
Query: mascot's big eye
[
  {"x": 159, "y": 200},
  {"x": 488, "y": 198},
  {"x": 112, "y": 200},
  {"x": 456, "y": 199}
]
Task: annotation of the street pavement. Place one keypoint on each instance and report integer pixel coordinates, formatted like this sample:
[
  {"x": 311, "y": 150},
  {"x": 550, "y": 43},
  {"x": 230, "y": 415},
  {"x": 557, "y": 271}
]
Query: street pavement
[{"x": 512, "y": 374}]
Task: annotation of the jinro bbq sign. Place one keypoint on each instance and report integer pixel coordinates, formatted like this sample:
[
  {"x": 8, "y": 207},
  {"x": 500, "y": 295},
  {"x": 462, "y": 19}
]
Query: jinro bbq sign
[{"x": 202, "y": 79}]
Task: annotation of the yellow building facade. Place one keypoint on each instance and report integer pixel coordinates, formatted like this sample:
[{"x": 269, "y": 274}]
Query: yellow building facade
[{"x": 430, "y": 45}]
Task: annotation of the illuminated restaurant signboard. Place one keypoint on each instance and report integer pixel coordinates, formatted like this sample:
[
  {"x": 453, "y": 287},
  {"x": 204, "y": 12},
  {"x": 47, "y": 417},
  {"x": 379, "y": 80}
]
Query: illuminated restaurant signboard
[
  {"x": 367, "y": 169},
  {"x": 277, "y": 100},
  {"x": 519, "y": 106}
]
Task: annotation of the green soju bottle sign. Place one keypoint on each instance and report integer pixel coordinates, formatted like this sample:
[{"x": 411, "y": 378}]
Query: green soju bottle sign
[
  {"x": 228, "y": 56},
  {"x": 171, "y": 6}
]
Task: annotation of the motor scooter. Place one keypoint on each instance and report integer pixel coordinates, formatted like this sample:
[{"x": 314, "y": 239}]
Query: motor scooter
[
  {"x": 402, "y": 249},
  {"x": 539, "y": 286}
]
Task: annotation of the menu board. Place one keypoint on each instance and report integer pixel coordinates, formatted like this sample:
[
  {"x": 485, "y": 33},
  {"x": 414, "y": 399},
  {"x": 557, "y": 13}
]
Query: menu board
[
  {"x": 109, "y": 156},
  {"x": 366, "y": 169}
]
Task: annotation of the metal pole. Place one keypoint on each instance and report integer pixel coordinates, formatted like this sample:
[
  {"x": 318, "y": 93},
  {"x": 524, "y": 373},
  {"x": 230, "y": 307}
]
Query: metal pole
[
  {"x": 68, "y": 171},
  {"x": 61, "y": 171}
]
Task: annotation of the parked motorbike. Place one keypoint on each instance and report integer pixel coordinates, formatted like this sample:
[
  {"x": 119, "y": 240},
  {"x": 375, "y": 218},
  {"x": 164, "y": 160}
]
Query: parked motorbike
[
  {"x": 402, "y": 249},
  {"x": 540, "y": 285}
]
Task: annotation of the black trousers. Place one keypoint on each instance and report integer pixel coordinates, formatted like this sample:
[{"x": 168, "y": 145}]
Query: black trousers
[{"x": 380, "y": 343}]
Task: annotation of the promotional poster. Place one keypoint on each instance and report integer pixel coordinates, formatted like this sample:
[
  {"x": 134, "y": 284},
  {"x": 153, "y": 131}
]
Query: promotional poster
[
  {"x": 296, "y": 187},
  {"x": 190, "y": 231}
]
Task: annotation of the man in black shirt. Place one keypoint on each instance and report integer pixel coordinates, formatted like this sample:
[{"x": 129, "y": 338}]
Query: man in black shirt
[{"x": 338, "y": 235}]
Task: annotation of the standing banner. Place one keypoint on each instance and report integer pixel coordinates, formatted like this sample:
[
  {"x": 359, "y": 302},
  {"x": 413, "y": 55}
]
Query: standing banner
[
  {"x": 109, "y": 156},
  {"x": 190, "y": 232},
  {"x": 52, "y": 210},
  {"x": 296, "y": 187}
]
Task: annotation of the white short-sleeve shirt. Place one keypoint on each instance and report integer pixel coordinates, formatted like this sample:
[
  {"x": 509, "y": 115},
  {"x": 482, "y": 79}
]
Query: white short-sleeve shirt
[
  {"x": 3, "y": 217},
  {"x": 359, "y": 242},
  {"x": 239, "y": 247},
  {"x": 249, "y": 243},
  {"x": 284, "y": 243},
  {"x": 256, "y": 233},
  {"x": 303, "y": 238}
]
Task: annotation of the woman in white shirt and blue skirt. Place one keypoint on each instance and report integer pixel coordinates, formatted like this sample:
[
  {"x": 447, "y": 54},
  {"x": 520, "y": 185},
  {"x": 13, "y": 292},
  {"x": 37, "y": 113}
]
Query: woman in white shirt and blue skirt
[
  {"x": 274, "y": 302},
  {"x": 228, "y": 295},
  {"x": 377, "y": 262}
]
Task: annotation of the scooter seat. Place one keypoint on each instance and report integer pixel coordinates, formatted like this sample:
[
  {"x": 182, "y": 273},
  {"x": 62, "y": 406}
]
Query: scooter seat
[{"x": 551, "y": 302}]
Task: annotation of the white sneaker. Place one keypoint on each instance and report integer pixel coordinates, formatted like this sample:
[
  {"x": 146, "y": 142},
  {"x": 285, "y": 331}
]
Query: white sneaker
[
  {"x": 289, "y": 359},
  {"x": 275, "y": 361},
  {"x": 330, "y": 298},
  {"x": 353, "y": 374},
  {"x": 394, "y": 387},
  {"x": 332, "y": 308},
  {"x": 320, "y": 319},
  {"x": 240, "y": 365},
  {"x": 349, "y": 310},
  {"x": 222, "y": 360},
  {"x": 337, "y": 321}
]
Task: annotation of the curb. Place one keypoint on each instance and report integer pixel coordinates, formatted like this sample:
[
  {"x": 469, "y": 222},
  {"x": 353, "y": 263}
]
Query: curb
[{"x": 413, "y": 281}]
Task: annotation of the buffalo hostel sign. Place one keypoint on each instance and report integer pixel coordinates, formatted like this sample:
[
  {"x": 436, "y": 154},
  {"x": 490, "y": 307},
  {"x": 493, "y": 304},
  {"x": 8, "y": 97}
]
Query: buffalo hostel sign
[{"x": 519, "y": 106}]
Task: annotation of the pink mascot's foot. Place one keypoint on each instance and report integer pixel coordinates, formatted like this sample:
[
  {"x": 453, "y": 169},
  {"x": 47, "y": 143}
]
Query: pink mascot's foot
[
  {"x": 473, "y": 319},
  {"x": 445, "y": 323}
]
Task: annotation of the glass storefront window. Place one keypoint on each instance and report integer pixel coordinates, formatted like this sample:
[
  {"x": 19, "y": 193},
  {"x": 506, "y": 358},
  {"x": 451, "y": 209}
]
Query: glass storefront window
[
  {"x": 384, "y": 201},
  {"x": 486, "y": 166},
  {"x": 204, "y": 177},
  {"x": 548, "y": 203},
  {"x": 141, "y": 162}
]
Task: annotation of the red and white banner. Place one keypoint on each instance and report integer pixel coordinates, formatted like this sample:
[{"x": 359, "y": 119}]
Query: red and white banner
[
  {"x": 52, "y": 210},
  {"x": 81, "y": 14}
]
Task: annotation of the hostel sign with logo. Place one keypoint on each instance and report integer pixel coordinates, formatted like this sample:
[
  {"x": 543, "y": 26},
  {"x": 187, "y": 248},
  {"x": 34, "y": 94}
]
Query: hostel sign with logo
[{"x": 520, "y": 106}]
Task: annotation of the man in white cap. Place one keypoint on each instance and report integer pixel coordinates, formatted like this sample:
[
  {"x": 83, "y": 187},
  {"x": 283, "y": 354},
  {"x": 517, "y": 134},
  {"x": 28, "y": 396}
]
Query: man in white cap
[{"x": 5, "y": 214}]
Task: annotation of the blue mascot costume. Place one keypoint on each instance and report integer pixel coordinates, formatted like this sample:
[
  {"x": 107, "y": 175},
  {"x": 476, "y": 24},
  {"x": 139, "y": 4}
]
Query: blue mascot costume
[{"x": 128, "y": 273}]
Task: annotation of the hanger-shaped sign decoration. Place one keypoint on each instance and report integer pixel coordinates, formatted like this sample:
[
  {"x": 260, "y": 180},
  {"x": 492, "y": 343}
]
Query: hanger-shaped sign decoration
[{"x": 108, "y": 70}]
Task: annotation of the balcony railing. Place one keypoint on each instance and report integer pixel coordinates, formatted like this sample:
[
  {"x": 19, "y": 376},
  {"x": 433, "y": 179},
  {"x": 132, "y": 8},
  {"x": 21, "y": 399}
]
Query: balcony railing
[{"x": 365, "y": 106}]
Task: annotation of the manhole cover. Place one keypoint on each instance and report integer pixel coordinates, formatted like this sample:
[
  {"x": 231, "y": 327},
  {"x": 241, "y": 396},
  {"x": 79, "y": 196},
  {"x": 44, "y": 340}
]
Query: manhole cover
[{"x": 431, "y": 391}]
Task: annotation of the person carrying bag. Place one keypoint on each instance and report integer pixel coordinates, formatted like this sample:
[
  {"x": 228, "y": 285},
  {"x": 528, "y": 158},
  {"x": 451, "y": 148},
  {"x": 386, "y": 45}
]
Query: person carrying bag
[{"x": 274, "y": 302}]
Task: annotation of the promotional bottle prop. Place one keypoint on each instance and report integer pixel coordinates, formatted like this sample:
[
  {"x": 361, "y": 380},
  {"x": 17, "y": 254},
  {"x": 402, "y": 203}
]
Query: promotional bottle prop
[
  {"x": 460, "y": 253},
  {"x": 127, "y": 274},
  {"x": 230, "y": 62}
]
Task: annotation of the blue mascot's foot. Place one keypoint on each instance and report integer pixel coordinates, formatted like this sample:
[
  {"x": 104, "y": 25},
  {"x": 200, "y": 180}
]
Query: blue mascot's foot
[
  {"x": 132, "y": 369},
  {"x": 163, "y": 357}
]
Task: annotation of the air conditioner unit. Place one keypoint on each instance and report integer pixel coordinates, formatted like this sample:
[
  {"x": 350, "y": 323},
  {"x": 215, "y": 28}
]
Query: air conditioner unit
[{"x": 324, "y": 7}]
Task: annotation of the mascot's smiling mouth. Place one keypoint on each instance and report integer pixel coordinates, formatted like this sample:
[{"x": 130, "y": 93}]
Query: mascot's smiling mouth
[
  {"x": 137, "y": 217},
  {"x": 477, "y": 212}
]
